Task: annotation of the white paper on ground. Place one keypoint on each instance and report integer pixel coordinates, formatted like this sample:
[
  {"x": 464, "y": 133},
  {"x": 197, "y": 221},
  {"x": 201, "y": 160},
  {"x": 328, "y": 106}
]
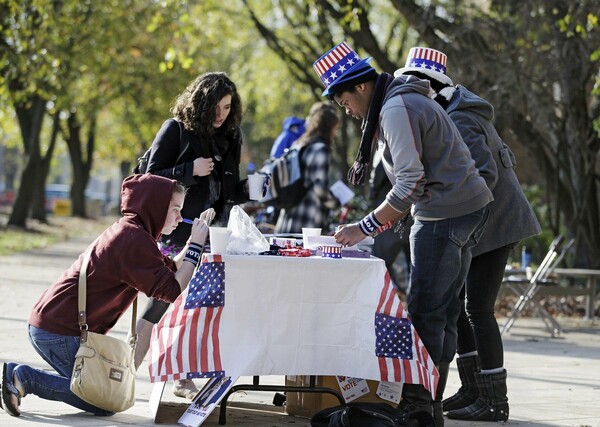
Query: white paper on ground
[
  {"x": 206, "y": 401},
  {"x": 342, "y": 192}
]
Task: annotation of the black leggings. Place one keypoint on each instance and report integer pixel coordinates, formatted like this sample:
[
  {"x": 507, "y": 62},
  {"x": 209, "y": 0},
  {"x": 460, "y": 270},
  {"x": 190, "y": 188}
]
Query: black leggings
[
  {"x": 155, "y": 309},
  {"x": 477, "y": 325}
]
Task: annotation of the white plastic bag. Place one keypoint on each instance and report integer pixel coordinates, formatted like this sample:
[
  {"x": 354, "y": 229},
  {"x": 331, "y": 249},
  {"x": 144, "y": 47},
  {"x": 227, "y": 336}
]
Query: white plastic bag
[{"x": 245, "y": 237}]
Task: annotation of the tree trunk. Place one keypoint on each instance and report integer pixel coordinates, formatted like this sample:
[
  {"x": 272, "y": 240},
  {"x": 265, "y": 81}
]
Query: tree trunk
[
  {"x": 30, "y": 116},
  {"x": 38, "y": 201},
  {"x": 38, "y": 210},
  {"x": 79, "y": 181},
  {"x": 81, "y": 166}
]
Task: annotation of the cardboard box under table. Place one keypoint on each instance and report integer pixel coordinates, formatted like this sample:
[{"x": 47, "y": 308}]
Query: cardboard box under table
[
  {"x": 307, "y": 404},
  {"x": 252, "y": 315}
]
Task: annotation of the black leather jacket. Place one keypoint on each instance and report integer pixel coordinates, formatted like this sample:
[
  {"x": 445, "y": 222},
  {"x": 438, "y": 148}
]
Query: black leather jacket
[{"x": 220, "y": 190}]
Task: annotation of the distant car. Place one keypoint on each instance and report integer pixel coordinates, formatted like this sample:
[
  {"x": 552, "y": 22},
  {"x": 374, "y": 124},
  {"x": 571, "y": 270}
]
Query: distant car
[
  {"x": 7, "y": 198},
  {"x": 58, "y": 199},
  {"x": 57, "y": 195}
]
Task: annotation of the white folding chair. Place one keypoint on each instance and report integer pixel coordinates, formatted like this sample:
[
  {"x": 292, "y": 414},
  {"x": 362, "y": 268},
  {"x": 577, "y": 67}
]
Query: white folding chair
[{"x": 555, "y": 254}]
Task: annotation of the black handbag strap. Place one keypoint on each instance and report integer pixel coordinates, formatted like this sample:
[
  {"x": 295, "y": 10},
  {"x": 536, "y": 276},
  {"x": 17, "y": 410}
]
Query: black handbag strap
[
  {"x": 183, "y": 143},
  {"x": 82, "y": 299}
]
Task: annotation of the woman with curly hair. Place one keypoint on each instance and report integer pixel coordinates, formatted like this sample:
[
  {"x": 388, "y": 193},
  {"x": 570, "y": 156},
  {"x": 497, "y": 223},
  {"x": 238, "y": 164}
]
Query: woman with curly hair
[{"x": 206, "y": 116}]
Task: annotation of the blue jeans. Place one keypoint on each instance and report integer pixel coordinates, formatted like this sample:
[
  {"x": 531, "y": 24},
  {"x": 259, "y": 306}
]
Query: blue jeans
[
  {"x": 59, "y": 351},
  {"x": 441, "y": 256}
]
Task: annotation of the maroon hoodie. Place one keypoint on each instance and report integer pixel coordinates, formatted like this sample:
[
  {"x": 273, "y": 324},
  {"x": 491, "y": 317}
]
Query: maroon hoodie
[{"x": 125, "y": 259}]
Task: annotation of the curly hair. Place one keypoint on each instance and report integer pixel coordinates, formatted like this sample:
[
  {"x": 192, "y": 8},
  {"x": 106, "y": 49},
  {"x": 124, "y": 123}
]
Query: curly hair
[
  {"x": 321, "y": 119},
  {"x": 196, "y": 106}
]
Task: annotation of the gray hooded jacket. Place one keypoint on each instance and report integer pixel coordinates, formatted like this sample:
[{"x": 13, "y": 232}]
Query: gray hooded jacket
[
  {"x": 511, "y": 216},
  {"x": 424, "y": 156}
]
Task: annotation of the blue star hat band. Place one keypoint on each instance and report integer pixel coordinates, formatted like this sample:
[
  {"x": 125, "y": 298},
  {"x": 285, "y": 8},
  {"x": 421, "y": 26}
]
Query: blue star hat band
[
  {"x": 339, "y": 65},
  {"x": 428, "y": 61}
]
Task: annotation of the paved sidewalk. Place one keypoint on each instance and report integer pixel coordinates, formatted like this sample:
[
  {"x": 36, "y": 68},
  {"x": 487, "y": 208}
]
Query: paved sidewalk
[{"x": 552, "y": 381}]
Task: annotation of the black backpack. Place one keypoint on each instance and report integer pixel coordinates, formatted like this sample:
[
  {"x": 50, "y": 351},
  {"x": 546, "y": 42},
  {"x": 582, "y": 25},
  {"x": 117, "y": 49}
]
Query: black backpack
[
  {"x": 359, "y": 414},
  {"x": 286, "y": 188},
  {"x": 142, "y": 162}
]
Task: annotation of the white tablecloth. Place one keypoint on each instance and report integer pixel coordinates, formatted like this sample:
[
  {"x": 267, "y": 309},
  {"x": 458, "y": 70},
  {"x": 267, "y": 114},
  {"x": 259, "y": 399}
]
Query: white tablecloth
[{"x": 290, "y": 316}]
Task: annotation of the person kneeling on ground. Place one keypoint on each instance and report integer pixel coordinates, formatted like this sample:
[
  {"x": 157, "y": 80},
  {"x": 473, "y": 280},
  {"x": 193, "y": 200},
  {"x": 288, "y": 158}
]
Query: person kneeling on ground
[{"x": 151, "y": 206}]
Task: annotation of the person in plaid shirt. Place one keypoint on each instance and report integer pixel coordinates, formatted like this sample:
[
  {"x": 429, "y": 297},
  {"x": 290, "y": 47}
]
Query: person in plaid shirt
[{"x": 313, "y": 211}]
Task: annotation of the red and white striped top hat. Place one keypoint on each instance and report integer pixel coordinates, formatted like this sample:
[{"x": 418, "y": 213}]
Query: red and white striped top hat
[
  {"x": 428, "y": 61},
  {"x": 340, "y": 64}
]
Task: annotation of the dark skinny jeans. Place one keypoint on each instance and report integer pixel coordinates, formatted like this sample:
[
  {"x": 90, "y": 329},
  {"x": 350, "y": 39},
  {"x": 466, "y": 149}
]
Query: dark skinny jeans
[{"x": 477, "y": 326}]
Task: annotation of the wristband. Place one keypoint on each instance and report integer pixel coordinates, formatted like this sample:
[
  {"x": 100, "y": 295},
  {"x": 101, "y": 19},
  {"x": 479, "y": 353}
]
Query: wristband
[
  {"x": 383, "y": 227},
  {"x": 193, "y": 253},
  {"x": 369, "y": 224}
]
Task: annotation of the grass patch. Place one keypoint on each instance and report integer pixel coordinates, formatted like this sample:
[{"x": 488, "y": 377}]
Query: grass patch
[{"x": 38, "y": 235}]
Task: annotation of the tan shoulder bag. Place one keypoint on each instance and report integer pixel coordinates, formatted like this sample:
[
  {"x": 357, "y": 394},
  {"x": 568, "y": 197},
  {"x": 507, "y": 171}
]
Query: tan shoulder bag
[{"x": 104, "y": 372}]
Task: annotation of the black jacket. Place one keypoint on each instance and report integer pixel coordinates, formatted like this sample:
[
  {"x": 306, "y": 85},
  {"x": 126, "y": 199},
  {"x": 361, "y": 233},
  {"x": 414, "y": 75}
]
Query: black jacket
[{"x": 220, "y": 190}]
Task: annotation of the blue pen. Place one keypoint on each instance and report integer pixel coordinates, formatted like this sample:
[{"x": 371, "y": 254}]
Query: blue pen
[{"x": 191, "y": 221}]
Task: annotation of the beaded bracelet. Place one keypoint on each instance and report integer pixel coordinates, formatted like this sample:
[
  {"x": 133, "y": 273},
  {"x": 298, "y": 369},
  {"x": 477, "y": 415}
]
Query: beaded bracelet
[
  {"x": 369, "y": 224},
  {"x": 193, "y": 253}
]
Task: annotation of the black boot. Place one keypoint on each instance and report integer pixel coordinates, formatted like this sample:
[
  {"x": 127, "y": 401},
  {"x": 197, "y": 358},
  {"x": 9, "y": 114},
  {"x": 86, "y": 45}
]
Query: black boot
[
  {"x": 416, "y": 406},
  {"x": 492, "y": 403},
  {"x": 467, "y": 393},
  {"x": 438, "y": 411}
]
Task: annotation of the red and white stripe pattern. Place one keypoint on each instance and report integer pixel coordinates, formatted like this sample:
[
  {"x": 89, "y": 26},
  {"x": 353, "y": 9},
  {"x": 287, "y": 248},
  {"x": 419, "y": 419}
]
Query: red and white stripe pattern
[
  {"x": 331, "y": 252},
  {"x": 419, "y": 369},
  {"x": 335, "y": 62},
  {"x": 189, "y": 343},
  {"x": 185, "y": 343},
  {"x": 424, "y": 57}
]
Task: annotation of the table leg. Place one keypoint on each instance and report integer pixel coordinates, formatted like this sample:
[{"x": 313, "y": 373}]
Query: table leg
[
  {"x": 155, "y": 398},
  {"x": 277, "y": 388}
]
